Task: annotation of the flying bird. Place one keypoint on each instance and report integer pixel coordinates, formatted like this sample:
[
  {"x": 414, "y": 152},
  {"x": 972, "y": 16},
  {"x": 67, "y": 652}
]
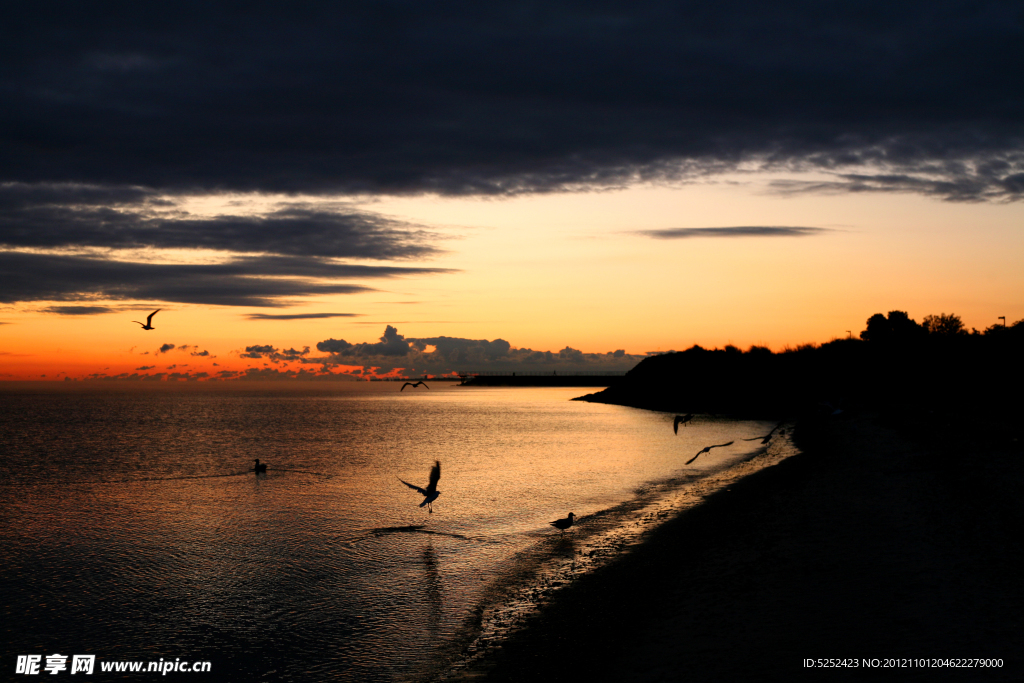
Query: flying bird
[
  {"x": 563, "y": 524},
  {"x": 707, "y": 449},
  {"x": 257, "y": 468},
  {"x": 681, "y": 420},
  {"x": 149, "y": 320},
  {"x": 410, "y": 384},
  {"x": 430, "y": 493},
  {"x": 767, "y": 437}
]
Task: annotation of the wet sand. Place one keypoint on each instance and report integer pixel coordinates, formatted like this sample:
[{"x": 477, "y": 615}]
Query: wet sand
[{"x": 870, "y": 544}]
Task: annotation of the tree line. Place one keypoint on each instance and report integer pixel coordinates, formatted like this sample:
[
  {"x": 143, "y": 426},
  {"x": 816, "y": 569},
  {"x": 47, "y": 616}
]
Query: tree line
[{"x": 894, "y": 363}]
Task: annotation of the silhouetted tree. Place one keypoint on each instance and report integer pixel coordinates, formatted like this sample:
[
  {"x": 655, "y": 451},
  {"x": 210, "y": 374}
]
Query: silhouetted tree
[
  {"x": 999, "y": 328},
  {"x": 877, "y": 329},
  {"x": 899, "y": 365},
  {"x": 903, "y": 326},
  {"x": 945, "y": 325},
  {"x": 897, "y": 327}
]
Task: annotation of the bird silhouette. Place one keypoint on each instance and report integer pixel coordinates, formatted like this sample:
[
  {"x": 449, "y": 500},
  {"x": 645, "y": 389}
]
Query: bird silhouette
[
  {"x": 258, "y": 468},
  {"x": 563, "y": 524},
  {"x": 430, "y": 493},
  {"x": 410, "y": 384},
  {"x": 149, "y": 320},
  {"x": 707, "y": 449},
  {"x": 681, "y": 420},
  {"x": 767, "y": 437}
]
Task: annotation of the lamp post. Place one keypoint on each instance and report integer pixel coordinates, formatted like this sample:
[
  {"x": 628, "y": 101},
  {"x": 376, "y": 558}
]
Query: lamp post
[{"x": 1003, "y": 318}]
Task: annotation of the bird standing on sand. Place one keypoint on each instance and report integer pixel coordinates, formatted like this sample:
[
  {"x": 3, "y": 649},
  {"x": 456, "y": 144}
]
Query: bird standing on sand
[
  {"x": 767, "y": 437},
  {"x": 681, "y": 420},
  {"x": 258, "y": 468},
  {"x": 149, "y": 320},
  {"x": 563, "y": 524},
  {"x": 410, "y": 384},
  {"x": 430, "y": 493},
  {"x": 707, "y": 449}
]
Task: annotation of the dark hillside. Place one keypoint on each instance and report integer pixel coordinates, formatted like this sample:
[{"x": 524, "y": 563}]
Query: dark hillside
[{"x": 904, "y": 366}]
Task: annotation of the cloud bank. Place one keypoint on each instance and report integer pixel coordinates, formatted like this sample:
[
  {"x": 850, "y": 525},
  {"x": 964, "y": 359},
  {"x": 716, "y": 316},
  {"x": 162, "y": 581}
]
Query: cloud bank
[
  {"x": 299, "y": 316},
  {"x": 445, "y": 355},
  {"x": 749, "y": 231},
  {"x": 494, "y": 98},
  {"x": 268, "y": 281},
  {"x": 110, "y": 115},
  {"x": 270, "y": 259}
]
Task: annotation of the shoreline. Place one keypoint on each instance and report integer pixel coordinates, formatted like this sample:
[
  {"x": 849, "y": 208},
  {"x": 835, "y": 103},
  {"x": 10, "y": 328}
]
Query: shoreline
[
  {"x": 867, "y": 544},
  {"x": 597, "y": 540}
]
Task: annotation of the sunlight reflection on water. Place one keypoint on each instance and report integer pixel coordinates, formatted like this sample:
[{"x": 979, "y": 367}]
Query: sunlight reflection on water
[{"x": 133, "y": 527}]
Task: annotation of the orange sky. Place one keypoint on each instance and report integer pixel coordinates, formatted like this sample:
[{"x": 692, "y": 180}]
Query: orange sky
[{"x": 560, "y": 270}]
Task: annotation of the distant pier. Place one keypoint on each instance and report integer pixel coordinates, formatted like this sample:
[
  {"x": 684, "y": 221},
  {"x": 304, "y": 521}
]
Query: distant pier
[{"x": 540, "y": 379}]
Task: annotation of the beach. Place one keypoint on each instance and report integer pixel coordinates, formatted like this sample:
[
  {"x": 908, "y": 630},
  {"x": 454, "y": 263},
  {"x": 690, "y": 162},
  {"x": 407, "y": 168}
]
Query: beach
[{"x": 879, "y": 552}]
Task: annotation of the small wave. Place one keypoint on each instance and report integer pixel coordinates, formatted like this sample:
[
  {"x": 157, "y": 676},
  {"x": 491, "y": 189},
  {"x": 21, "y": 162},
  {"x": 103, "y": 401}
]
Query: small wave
[
  {"x": 285, "y": 469},
  {"x": 380, "y": 532},
  {"x": 83, "y": 478},
  {"x": 178, "y": 478}
]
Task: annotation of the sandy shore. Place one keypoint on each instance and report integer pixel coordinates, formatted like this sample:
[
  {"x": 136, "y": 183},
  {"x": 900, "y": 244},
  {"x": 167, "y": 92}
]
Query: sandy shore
[{"x": 870, "y": 544}]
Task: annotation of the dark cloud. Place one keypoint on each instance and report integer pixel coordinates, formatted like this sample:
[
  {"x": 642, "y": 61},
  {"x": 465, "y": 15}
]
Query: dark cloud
[
  {"x": 273, "y": 374},
  {"x": 742, "y": 231},
  {"x": 443, "y": 355},
  {"x": 271, "y": 353},
  {"x": 293, "y": 354},
  {"x": 500, "y": 98},
  {"x": 49, "y": 216},
  {"x": 258, "y": 351},
  {"x": 78, "y": 310},
  {"x": 960, "y": 183},
  {"x": 247, "y": 281},
  {"x": 165, "y": 348},
  {"x": 299, "y": 316},
  {"x": 391, "y": 344},
  {"x": 155, "y": 377},
  {"x": 300, "y": 244},
  {"x": 454, "y": 347},
  {"x": 192, "y": 350}
]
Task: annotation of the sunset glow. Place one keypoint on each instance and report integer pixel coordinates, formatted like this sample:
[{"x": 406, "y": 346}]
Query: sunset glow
[
  {"x": 551, "y": 207},
  {"x": 575, "y": 270}
]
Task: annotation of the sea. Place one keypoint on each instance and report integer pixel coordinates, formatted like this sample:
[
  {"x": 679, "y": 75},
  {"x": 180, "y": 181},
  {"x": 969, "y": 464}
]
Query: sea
[{"x": 134, "y": 530}]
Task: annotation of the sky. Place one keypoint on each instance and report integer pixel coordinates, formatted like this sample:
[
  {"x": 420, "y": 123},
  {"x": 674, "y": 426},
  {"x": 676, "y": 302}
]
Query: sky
[{"x": 350, "y": 190}]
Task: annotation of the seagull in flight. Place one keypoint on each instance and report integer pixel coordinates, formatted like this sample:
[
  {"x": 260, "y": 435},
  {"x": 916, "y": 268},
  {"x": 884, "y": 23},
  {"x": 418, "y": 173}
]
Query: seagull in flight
[
  {"x": 149, "y": 320},
  {"x": 767, "y": 437},
  {"x": 430, "y": 493},
  {"x": 258, "y": 468},
  {"x": 410, "y": 384},
  {"x": 707, "y": 449},
  {"x": 563, "y": 524},
  {"x": 681, "y": 420}
]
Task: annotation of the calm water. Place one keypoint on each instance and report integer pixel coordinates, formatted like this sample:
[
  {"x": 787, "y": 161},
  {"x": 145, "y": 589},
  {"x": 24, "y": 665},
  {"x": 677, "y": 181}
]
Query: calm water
[{"x": 133, "y": 529}]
